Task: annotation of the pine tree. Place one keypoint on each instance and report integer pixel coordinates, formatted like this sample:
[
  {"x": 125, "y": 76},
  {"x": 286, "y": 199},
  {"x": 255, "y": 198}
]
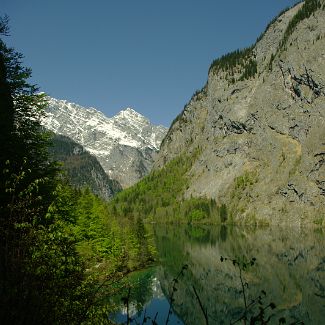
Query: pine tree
[{"x": 41, "y": 273}]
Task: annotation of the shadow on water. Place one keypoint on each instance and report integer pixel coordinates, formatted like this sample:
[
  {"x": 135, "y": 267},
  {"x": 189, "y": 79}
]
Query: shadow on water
[{"x": 290, "y": 268}]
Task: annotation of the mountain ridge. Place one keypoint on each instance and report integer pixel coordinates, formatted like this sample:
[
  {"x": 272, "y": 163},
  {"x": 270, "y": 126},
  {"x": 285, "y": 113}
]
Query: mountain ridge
[
  {"x": 259, "y": 123},
  {"x": 124, "y": 144},
  {"x": 81, "y": 168}
]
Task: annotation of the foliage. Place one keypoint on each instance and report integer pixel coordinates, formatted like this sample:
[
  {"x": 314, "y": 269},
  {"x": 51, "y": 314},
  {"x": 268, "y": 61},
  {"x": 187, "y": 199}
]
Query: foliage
[
  {"x": 240, "y": 196},
  {"x": 243, "y": 60},
  {"x": 22, "y": 141},
  {"x": 42, "y": 275},
  {"x": 82, "y": 169},
  {"x": 274, "y": 20},
  {"x": 245, "y": 180},
  {"x": 113, "y": 244},
  {"x": 153, "y": 195},
  {"x": 223, "y": 213},
  {"x": 160, "y": 197},
  {"x": 250, "y": 70},
  {"x": 308, "y": 8},
  {"x": 231, "y": 60},
  {"x": 36, "y": 285},
  {"x": 238, "y": 60},
  {"x": 174, "y": 289}
]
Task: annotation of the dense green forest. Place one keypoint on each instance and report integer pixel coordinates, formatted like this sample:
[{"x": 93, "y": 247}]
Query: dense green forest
[
  {"x": 239, "y": 58},
  {"x": 60, "y": 249}
]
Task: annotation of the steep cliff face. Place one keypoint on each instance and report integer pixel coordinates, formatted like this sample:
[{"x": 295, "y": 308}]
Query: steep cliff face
[{"x": 260, "y": 124}]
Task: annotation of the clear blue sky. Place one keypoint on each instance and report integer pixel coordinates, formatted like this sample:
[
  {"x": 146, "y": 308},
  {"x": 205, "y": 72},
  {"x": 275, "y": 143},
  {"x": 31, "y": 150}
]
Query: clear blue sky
[{"x": 150, "y": 55}]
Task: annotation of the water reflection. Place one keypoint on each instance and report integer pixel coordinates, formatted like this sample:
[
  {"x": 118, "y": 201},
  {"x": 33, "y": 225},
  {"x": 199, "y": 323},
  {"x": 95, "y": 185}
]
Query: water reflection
[
  {"x": 147, "y": 302},
  {"x": 290, "y": 268}
]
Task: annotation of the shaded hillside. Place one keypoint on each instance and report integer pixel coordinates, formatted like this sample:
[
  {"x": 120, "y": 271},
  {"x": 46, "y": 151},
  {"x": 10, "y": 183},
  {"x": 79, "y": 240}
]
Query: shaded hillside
[{"x": 83, "y": 169}]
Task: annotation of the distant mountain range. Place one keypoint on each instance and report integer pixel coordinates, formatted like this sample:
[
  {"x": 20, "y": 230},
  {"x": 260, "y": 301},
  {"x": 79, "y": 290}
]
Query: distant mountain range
[{"x": 125, "y": 144}]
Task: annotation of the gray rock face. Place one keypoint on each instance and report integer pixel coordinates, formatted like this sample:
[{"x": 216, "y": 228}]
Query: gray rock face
[
  {"x": 124, "y": 144},
  {"x": 262, "y": 138}
]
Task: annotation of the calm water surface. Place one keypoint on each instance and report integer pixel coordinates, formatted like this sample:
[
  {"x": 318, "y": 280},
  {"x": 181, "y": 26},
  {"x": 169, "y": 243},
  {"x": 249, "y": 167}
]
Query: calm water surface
[{"x": 290, "y": 269}]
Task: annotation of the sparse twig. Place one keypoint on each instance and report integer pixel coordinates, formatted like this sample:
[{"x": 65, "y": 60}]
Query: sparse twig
[
  {"x": 154, "y": 322},
  {"x": 244, "y": 293},
  {"x": 173, "y": 290},
  {"x": 204, "y": 311},
  {"x": 126, "y": 301}
]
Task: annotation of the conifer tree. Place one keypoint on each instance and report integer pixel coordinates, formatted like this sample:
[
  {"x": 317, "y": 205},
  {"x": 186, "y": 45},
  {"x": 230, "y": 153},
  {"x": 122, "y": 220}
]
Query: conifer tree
[{"x": 40, "y": 272}]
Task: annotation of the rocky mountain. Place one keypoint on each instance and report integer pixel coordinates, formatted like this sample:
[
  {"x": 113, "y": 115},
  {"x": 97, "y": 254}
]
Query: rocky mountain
[
  {"x": 125, "y": 144},
  {"x": 259, "y": 124},
  {"x": 82, "y": 169}
]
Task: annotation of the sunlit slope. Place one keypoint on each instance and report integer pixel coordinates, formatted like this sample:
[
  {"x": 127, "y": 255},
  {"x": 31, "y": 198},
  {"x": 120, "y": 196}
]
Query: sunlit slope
[{"x": 260, "y": 124}]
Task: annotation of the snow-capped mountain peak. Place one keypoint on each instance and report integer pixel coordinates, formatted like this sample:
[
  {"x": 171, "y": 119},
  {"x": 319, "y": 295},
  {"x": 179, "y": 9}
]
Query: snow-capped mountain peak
[
  {"x": 130, "y": 112},
  {"x": 106, "y": 137}
]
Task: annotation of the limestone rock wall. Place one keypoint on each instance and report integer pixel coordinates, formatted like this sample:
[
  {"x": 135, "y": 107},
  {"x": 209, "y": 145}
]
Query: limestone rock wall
[{"x": 262, "y": 138}]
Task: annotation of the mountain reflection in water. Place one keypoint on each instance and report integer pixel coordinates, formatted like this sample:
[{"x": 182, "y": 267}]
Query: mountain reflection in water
[
  {"x": 151, "y": 305},
  {"x": 290, "y": 268}
]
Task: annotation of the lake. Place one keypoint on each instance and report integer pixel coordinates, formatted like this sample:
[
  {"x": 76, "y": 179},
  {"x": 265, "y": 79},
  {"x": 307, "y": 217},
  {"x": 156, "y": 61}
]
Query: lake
[{"x": 289, "y": 272}]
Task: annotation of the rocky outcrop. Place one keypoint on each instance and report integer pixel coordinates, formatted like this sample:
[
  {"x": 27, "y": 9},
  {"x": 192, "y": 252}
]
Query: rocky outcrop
[
  {"x": 261, "y": 126},
  {"x": 124, "y": 144}
]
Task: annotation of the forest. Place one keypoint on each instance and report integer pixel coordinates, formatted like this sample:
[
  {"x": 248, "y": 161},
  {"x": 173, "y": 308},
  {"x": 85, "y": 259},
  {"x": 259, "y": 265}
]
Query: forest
[{"x": 60, "y": 247}]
